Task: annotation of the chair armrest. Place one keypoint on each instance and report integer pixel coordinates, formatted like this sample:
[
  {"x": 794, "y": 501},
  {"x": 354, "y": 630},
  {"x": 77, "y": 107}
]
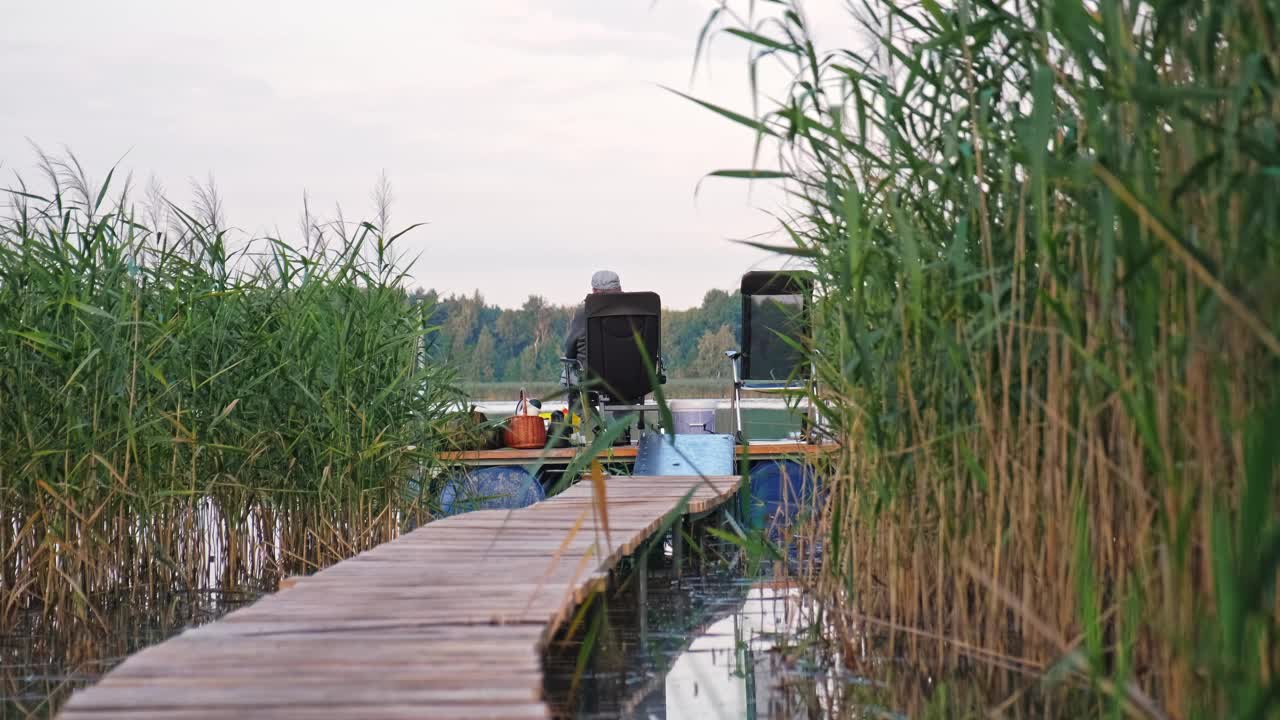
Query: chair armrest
[
  {"x": 735, "y": 361},
  {"x": 570, "y": 372}
]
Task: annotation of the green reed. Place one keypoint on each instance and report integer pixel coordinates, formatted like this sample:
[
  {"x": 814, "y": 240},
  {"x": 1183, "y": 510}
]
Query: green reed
[
  {"x": 180, "y": 414},
  {"x": 1048, "y": 239}
]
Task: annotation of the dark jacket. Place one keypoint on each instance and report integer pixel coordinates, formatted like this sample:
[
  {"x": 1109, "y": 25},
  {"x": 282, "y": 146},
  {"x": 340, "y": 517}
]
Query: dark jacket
[{"x": 575, "y": 341}]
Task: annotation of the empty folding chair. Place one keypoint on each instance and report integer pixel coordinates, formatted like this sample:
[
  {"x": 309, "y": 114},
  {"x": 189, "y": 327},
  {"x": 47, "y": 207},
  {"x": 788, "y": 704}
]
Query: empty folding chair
[{"x": 773, "y": 356}]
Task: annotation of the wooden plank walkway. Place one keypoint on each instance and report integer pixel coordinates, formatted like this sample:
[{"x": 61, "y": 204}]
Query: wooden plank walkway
[{"x": 447, "y": 621}]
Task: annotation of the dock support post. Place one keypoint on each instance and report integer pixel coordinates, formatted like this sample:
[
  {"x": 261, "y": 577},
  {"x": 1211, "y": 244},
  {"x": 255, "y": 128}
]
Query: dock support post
[
  {"x": 642, "y": 598},
  {"x": 677, "y": 546}
]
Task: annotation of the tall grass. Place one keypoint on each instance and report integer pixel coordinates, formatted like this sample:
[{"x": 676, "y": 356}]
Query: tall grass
[
  {"x": 177, "y": 415},
  {"x": 1048, "y": 237}
]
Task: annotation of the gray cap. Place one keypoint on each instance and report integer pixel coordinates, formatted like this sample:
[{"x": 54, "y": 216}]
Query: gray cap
[{"x": 605, "y": 281}]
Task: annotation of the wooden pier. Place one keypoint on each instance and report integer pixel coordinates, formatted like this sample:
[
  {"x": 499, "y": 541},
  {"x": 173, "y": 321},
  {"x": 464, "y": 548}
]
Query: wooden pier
[{"x": 447, "y": 621}]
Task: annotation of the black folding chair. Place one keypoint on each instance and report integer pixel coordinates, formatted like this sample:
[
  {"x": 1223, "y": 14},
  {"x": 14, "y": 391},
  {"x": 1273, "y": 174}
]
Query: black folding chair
[
  {"x": 617, "y": 377},
  {"x": 776, "y": 328}
]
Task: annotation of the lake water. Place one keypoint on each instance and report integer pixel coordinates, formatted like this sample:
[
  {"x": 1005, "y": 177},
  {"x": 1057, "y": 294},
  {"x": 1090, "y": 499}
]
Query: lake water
[
  {"x": 710, "y": 643},
  {"x": 41, "y": 664},
  {"x": 705, "y": 649}
]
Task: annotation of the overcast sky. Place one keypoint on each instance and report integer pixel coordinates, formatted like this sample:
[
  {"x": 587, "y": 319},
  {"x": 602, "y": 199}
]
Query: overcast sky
[{"x": 532, "y": 137}]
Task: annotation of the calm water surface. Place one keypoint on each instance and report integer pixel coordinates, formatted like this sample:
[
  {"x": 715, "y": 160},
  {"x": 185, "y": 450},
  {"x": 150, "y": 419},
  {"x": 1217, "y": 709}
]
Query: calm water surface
[
  {"x": 42, "y": 661},
  {"x": 709, "y": 643}
]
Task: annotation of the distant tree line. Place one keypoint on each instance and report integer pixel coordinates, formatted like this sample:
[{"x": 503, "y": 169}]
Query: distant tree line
[{"x": 488, "y": 343}]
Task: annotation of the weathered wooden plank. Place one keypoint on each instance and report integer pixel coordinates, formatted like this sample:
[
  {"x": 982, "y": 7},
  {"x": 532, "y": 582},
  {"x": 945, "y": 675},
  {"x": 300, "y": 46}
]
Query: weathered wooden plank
[{"x": 329, "y": 711}]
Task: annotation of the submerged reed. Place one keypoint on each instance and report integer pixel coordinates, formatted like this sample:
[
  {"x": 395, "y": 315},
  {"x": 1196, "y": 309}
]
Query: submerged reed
[
  {"x": 178, "y": 416},
  {"x": 1048, "y": 238}
]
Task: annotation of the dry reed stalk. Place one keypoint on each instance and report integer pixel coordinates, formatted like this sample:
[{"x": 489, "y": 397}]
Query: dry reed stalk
[{"x": 1046, "y": 236}]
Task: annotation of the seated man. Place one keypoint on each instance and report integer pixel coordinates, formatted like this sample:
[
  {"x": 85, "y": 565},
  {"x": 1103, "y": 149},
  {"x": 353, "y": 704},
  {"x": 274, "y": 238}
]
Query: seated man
[{"x": 575, "y": 342}]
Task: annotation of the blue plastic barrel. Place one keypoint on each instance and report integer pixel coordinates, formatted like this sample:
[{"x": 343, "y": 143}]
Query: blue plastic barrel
[
  {"x": 490, "y": 488},
  {"x": 780, "y": 489}
]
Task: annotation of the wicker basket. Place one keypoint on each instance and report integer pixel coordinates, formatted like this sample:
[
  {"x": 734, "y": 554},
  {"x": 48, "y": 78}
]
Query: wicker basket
[{"x": 524, "y": 431}]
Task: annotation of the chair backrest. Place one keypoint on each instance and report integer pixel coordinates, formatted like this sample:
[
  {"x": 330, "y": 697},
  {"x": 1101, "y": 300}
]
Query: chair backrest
[
  {"x": 615, "y": 364},
  {"x": 775, "y": 314}
]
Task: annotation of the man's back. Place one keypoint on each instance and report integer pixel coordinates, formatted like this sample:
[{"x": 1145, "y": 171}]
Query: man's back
[{"x": 575, "y": 341}]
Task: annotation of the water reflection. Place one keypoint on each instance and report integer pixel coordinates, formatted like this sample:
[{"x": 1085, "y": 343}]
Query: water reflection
[
  {"x": 704, "y": 645},
  {"x": 713, "y": 637},
  {"x": 43, "y": 660},
  {"x": 731, "y": 669}
]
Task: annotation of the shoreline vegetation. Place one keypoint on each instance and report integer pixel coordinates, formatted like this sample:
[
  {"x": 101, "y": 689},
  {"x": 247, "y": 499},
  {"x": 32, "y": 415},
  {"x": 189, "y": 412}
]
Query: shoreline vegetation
[
  {"x": 1046, "y": 236},
  {"x": 183, "y": 419}
]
